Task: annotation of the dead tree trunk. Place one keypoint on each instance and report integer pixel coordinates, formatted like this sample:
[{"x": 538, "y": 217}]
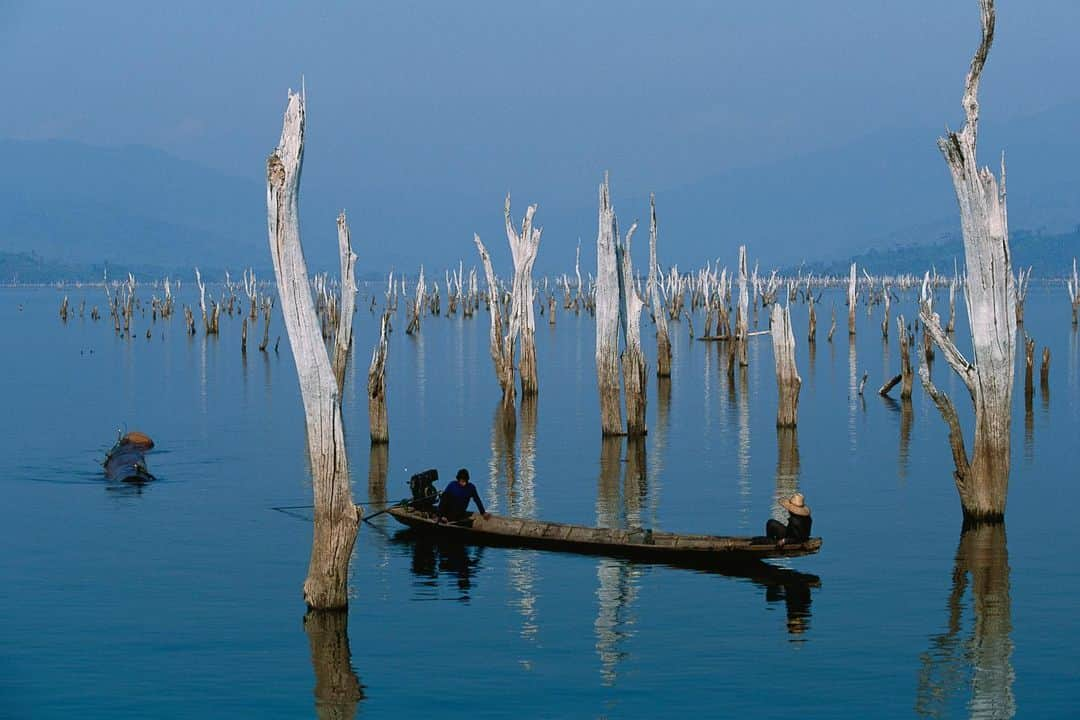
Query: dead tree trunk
[
  {"x": 888, "y": 301},
  {"x": 1073, "y": 288},
  {"x": 989, "y": 288},
  {"x": 907, "y": 376},
  {"x": 607, "y": 316},
  {"x": 633, "y": 358},
  {"x": 851, "y": 300},
  {"x": 501, "y": 346},
  {"x": 336, "y": 517},
  {"x": 663, "y": 339},
  {"x": 376, "y": 387},
  {"x": 523, "y": 248},
  {"x": 788, "y": 381},
  {"x": 343, "y": 334},
  {"x": 742, "y": 316}
]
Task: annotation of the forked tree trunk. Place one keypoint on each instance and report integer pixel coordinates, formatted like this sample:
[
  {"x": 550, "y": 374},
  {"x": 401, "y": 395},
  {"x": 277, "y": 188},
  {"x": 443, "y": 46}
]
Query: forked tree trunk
[
  {"x": 336, "y": 517},
  {"x": 501, "y": 347},
  {"x": 989, "y": 288},
  {"x": 788, "y": 381},
  {"x": 378, "y": 424},
  {"x": 633, "y": 358},
  {"x": 607, "y": 316},
  {"x": 663, "y": 339},
  {"x": 523, "y": 248},
  {"x": 343, "y": 335}
]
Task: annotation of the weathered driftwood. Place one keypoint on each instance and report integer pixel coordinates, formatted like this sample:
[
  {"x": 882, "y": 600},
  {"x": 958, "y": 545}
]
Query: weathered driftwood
[
  {"x": 890, "y": 384},
  {"x": 663, "y": 339},
  {"x": 378, "y": 425},
  {"x": 788, "y": 381},
  {"x": 336, "y": 517},
  {"x": 607, "y": 316},
  {"x": 501, "y": 346},
  {"x": 982, "y": 482},
  {"x": 343, "y": 334},
  {"x": 523, "y": 248},
  {"x": 633, "y": 357}
]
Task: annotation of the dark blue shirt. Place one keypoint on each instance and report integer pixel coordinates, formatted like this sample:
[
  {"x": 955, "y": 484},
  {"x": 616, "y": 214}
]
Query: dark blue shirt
[{"x": 455, "y": 499}]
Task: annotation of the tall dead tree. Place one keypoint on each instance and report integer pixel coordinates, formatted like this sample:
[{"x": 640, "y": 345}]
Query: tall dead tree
[
  {"x": 523, "y": 248},
  {"x": 982, "y": 481},
  {"x": 788, "y": 381},
  {"x": 607, "y": 316},
  {"x": 336, "y": 517},
  {"x": 851, "y": 300},
  {"x": 663, "y": 339},
  {"x": 633, "y": 358},
  {"x": 742, "y": 314},
  {"x": 343, "y": 335},
  {"x": 501, "y": 346}
]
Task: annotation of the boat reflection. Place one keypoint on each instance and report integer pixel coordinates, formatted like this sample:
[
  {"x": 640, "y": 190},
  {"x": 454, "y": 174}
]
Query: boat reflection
[
  {"x": 435, "y": 558},
  {"x": 338, "y": 690},
  {"x": 982, "y": 661}
]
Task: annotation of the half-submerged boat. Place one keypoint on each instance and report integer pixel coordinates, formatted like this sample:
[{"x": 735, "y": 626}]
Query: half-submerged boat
[
  {"x": 634, "y": 544},
  {"x": 126, "y": 460}
]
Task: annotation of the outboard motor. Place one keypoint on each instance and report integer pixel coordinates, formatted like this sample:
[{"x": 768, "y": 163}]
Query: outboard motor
[{"x": 422, "y": 487}]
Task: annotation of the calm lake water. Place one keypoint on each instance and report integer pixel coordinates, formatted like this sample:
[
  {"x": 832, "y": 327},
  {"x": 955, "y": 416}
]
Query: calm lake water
[{"x": 183, "y": 599}]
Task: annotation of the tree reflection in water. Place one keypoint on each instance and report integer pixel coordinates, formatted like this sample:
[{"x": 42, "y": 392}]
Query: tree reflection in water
[
  {"x": 983, "y": 659},
  {"x": 338, "y": 690}
]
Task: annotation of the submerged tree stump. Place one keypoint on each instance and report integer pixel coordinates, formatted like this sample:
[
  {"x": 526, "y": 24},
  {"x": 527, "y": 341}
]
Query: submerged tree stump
[
  {"x": 788, "y": 381},
  {"x": 343, "y": 334},
  {"x": 523, "y": 248},
  {"x": 336, "y": 517},
  {"x": 378, "y": 425}
]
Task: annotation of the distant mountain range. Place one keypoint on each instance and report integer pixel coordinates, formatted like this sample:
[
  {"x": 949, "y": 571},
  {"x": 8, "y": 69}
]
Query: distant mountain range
[{"x": 67, "y": 209}]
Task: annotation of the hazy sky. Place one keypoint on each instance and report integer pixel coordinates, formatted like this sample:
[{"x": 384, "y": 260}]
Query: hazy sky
[{"x": 538, "y": 98}]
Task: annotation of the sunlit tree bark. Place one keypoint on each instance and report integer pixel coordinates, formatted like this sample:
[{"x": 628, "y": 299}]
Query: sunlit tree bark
[
  {"x": 982, "y": 481},
  {"x": 336, "y": 517}
]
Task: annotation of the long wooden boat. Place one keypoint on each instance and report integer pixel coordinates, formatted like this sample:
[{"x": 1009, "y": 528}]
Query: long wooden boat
[{"x": 636, "y": 544}]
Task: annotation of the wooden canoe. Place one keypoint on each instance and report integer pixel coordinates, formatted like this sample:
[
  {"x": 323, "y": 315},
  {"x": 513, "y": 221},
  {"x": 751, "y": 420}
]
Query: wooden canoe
[{"x": 635, "y": 544}]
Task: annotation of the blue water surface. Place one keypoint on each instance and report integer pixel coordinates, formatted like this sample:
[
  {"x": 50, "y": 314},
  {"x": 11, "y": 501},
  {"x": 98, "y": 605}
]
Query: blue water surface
[{"x": 182, "y": 598}]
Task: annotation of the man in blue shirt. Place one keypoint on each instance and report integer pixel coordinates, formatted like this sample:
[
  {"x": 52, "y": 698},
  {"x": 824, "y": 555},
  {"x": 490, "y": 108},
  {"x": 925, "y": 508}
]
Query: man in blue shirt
[{"x": 456, "y": 496}]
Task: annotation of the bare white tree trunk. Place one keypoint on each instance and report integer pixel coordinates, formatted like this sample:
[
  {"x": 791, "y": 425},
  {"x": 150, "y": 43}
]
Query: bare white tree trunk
[
  {"x": 633, "y": 358},
  {"x": 378, "y": 424},
  {"x": 501, "y": 347},
  {"x": 742, "y": 315},
  {"x": 523, "y": 247},
  {"x": 336, "y": 517},
  {"x": 1073, "y": 288},
  {"x": 991, "y": 304},
  {"x": 607, "y": 316},
  {"x": 851, "y": 300},
  {"x": 888, "y": 302},
  {"x": 343, "y": 336},
  {"x": 788, "y": 381},
  {"x": 663, "y": 339}
]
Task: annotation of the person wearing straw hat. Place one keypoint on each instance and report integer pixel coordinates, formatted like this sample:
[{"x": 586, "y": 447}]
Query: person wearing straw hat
[{"x": 797, "y": 529}]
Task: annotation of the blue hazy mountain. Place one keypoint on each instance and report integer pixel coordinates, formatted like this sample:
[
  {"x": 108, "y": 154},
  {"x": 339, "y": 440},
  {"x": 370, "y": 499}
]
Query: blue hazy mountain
[{"x": 137, "y": 206}]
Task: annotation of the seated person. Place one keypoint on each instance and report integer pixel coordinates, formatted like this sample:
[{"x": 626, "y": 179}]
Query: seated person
[
  {"x": 454, "y": 503},
  {"x": 797, "y": 529}
]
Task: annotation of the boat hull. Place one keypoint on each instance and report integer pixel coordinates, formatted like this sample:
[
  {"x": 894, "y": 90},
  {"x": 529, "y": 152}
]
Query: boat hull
[{"x": 634, "y": 544}]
